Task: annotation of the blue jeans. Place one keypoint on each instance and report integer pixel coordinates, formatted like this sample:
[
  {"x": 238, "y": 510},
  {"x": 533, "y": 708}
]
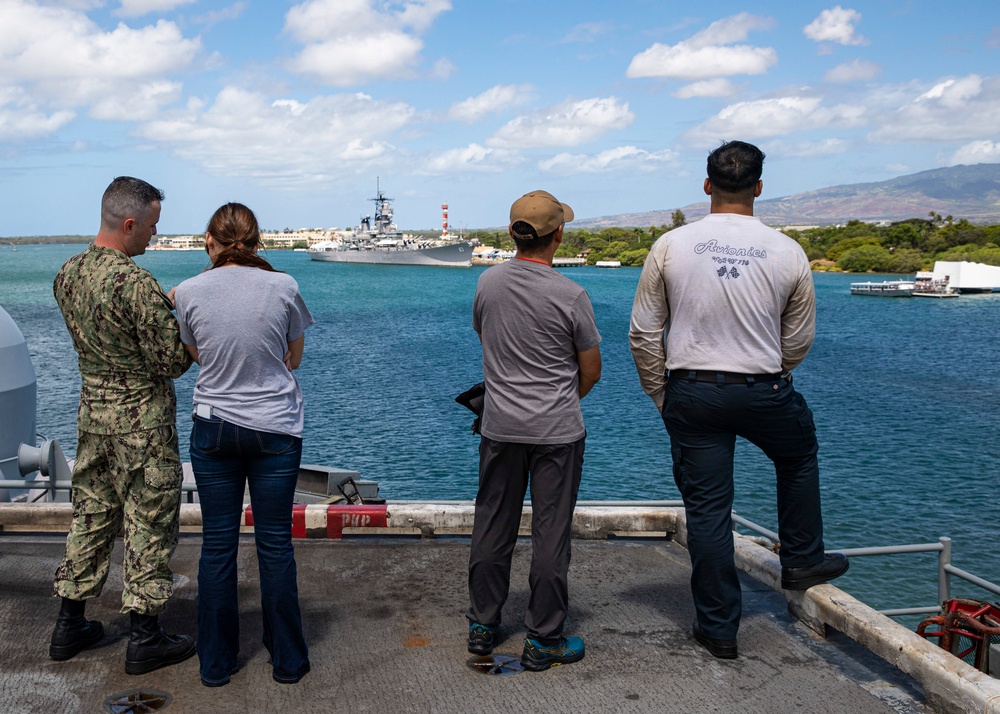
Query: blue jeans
[
  {"x": 226, "y": 458},
  {"x": 703, "y": 420}
]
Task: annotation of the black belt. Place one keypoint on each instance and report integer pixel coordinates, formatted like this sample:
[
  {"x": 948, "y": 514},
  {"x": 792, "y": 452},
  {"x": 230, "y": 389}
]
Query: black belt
[{"x": 695, "y": 375}]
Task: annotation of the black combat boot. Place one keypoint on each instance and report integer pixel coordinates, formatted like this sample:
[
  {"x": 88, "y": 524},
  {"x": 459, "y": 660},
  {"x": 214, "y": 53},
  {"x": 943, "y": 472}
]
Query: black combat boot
[
  {"x": 73, "y": 632},
  {"x": 149, "y": 647}
]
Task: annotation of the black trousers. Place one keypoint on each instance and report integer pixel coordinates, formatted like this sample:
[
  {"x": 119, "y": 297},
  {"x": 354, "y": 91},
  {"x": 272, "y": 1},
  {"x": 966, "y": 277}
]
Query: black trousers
[
  {"x": 504, "y": 471},
  {"x": 703, "y": 420}
]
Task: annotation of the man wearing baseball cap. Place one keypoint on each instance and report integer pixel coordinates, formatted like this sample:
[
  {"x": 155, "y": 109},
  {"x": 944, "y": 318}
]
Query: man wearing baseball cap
[{"x": 541, "y": 355}]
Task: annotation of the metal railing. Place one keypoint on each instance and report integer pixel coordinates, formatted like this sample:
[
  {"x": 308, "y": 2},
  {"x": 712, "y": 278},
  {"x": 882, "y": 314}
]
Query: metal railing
[
  {"x": 945, "y": 568},
  {"x": 189, "y": 489}
]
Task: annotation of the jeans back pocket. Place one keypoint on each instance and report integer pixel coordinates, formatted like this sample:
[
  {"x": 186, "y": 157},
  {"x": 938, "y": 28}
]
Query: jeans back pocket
[
  {"x": 206, "y": 435},
  {"x": 275, "y": 444}
]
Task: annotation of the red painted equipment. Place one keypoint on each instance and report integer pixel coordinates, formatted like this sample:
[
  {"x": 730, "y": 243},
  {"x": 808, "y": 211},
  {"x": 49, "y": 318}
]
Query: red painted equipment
[
  {"x": 966, "y": 629},
  {"x": 329, "y": 521}
]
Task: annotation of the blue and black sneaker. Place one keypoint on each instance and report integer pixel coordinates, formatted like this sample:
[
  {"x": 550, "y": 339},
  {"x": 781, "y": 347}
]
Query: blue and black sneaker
[
  {"x": 538, "y": 657},
  {"x": 481, "y": 638}
]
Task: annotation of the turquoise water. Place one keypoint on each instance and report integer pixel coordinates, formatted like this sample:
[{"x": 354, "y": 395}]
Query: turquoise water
[{"x": 906, "y": 394}]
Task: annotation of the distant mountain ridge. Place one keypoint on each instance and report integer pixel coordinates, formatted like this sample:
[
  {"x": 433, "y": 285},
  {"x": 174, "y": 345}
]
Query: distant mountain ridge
[{"x": 970, "y": 192}]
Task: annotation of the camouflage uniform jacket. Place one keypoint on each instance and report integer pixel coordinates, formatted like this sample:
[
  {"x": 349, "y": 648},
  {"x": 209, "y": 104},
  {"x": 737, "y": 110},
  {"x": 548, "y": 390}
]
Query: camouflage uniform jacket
[{"x": 127, "y": 339}]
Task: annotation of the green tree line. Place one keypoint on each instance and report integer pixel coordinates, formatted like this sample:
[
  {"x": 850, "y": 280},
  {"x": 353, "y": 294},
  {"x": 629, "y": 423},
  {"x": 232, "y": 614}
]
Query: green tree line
[{"x": 900, "y": 247}]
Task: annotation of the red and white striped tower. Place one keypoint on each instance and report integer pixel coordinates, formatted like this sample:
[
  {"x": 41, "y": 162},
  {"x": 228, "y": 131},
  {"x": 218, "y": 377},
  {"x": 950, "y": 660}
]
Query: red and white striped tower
[{"x": 444, "y": 220}]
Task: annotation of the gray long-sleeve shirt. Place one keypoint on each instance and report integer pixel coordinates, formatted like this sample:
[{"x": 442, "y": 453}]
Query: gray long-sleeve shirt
[{"x": 725, "y": 294}]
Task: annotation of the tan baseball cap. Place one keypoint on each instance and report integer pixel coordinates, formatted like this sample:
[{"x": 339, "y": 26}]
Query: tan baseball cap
[{"x": 540, "y": 210}]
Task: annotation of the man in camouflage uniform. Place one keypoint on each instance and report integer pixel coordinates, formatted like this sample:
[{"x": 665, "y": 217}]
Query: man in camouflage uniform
[{"x": 127, "y": 463}]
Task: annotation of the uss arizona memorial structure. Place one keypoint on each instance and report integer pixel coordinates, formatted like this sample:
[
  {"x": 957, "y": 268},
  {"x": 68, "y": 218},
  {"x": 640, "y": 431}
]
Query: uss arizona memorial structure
[{"x": 966, "y": 277}]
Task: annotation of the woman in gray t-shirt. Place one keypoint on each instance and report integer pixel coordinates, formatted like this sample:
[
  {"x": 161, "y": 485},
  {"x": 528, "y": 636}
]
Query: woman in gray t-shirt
[{"x": 244, "y": 323}]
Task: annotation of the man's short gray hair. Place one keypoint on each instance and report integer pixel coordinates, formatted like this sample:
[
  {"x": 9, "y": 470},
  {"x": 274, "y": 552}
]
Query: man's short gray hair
[{"x": 127, "y": 197}]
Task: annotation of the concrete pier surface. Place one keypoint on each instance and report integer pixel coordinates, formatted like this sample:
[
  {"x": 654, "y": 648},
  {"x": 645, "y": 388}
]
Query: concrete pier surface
[{"x": 384, "y": 619}]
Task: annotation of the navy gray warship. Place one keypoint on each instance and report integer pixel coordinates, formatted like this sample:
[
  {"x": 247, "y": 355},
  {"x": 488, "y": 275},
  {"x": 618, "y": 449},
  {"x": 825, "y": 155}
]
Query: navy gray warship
[{"x": 378, "y": 240}]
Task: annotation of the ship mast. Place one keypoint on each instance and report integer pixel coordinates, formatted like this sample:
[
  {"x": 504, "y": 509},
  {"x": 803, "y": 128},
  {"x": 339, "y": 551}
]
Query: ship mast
[{"x": 383, "y": 212}]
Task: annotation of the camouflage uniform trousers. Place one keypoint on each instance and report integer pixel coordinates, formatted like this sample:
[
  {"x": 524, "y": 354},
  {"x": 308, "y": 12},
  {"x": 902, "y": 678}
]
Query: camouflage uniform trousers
[{"x": 134, "y": 477}]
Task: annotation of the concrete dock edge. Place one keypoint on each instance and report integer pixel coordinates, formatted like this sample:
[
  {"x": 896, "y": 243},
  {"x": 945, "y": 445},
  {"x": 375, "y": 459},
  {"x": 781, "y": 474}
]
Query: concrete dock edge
[{"x": 949, "y": 683}]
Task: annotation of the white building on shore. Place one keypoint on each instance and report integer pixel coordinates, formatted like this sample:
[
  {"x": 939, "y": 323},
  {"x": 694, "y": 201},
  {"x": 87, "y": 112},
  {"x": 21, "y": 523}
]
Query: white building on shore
[
  {"x": 307, "y": 236},
  {"x": 179, "y": 243}
]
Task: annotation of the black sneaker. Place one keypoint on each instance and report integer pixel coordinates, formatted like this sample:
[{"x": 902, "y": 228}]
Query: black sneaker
[
  {"x": 538, "y": 657},
  {"x": 481, "y": 638}
]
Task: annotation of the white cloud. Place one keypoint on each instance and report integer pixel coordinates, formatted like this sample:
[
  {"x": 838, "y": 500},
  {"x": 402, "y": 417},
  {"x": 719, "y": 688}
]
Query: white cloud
[
  {"x": 492, "y": 100},
  {"x": 421, "y": 14},
  {"x": 136, "y": 8},
  {"x": 471, "y": 158},
  {"x": 835, "y": 25},
  {"x": 808, "y": 149},
  {"x": 351, "y": 41},
  {"x": 322, "y": 20},
  {"x": 617, "y": 159},
  {"x": 42, "y": 43},
  {"x": 720, "y": 87},
  {"x": 977, "y": 152},
  {"x": 953, "y": 93},
  {"x": 952, "y": 109},
  {"x": 355, "y": 59},
  {"x": 701, "y": 63},
  {"x": 731, "y": 29},
  {"x": 709, "y": 53},
  {"x": 566, "y": 124},
  {"x": 317, "y": 20},
  {"x": 142, "y": 103},
  {"x": 21, "y": 119},
  {"x": 587, "y": 32},
  {"x": 63, "y": 59},
  {"x": 214, "y": 17},
  {"x": 853, "y": 71},
  {"x": 282, "y": 141},
  {"x": 443, "y": 69},
  {"x": 776, "y": 117},
  {"x": 79, "y": 4}
]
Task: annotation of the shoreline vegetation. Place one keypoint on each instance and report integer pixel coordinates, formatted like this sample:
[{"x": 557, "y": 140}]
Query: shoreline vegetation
[{"x": 854, "y": 247}]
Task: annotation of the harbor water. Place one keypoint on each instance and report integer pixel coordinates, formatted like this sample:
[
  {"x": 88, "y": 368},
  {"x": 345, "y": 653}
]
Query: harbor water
[{"x": 906, "y": 395}]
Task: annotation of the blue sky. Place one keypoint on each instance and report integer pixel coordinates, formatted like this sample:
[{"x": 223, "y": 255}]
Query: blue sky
[{"x": 295, "y": 108}]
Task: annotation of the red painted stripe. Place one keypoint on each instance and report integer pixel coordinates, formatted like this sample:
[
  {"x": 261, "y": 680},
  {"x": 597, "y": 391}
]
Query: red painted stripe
[
  {"x": 298, "y": 520},
  {"x": 339, "y": 517}
]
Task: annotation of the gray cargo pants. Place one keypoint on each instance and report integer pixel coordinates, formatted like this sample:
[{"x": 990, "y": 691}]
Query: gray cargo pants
[{"x": 504, "y": 471}]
